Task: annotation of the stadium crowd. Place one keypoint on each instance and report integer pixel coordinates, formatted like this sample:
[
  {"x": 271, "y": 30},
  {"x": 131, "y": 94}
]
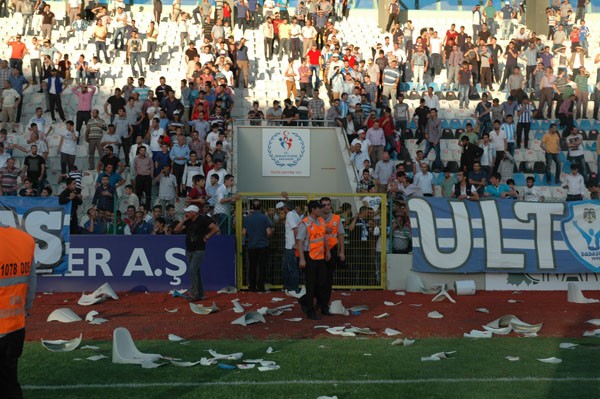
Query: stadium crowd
[{"x": 154, "y": 144}]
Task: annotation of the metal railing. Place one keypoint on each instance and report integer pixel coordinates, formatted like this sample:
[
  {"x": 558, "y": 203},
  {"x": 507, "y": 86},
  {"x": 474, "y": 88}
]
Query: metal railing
[{"x": 365, "y": 240}]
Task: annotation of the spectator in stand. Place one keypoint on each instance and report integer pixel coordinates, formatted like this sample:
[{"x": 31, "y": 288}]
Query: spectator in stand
[
  {"x": 95, "y": 224},
  {"x": 497, "y": 189},
  {"x": 10, "y": 103},
  {"x": 575, "y": 184},
  {"x": 9, "y": 175},
  {"x": 34, "y": 166},
  {"x": 532, "y": 193},
  {"x": 67, "y": 147},
  {"x": 551, "y": 146},
  {"x": 223, "y": 198},
  {"x": 463, "y": 189},
  {"x": 104, "y": 197}
]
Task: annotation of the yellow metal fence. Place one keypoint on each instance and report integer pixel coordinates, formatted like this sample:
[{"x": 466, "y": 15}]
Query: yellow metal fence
[{"x": 364, "y": 219}]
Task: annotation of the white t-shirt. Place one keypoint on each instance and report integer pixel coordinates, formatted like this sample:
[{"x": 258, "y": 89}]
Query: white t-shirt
[
  {"x": 291, "y": 222},
  {"x": 9, "y": 97},
  {"x": 498, "y": 139},
  {"x": 372, "y": 202},
  {"x": 3, "y": 158},
  {"x": 154, "y": 136},
  {"x": 532, "y": 194},
  {"x": 69, "y": 146},
  {"x": 211, "y": 139}
]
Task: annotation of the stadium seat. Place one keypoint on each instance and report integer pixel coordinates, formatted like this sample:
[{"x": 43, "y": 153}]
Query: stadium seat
[
  {"x": 584, "y": 124},
  {"x": 539, "y": 167},
  {"x": 447, "y": 133},
  {"x": 519, "y": 179},
  {"x": 525, "y": 167},
  {"x": 452, "y": 166}
]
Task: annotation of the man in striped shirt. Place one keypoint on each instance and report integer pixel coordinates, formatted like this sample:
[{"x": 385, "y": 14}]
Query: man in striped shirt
[
  {"x": 8, "y": 178},
  {"x": 391, "y": 79},
  {"x": 524, "y": 114},
  {"x": 509, "y": 128},
  {"x": 316, "y": 109}
]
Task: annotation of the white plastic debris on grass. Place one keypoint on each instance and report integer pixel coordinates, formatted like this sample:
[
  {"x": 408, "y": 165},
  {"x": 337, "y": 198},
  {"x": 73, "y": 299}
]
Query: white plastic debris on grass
[
  {"x": 125, "y": 352},
  {"x": 63, "y": 315},
  {"x": 237, "y": 307},
  {"x": 245, "y": 366},
  {"x": 350, "y": 331},
  {"x": 269, "y": 368},
  {"x": 337, "y": 307},
  {"x": 61, "y": 345},
  {"x": 359, "y": 308},
  {"x": 513, "y": 358},
  {"x": 271, "y": 350},
  {"x": 403, "y": 342},
  {"x": 249, "y": 318},
  {"x": 478, "y": 334},
  {"x": 595, "y": 322},
  {"x": 327, "y": 397},
  {"x": 175, "y": 338},
  {"x": 208, "y": 362},
  {"x": 227, "y": 290},
  {"x": 96, "y": 358},
  {"x": 435, "y": 315},
  {"x": 295, "y": 319},
  {"x": 437, "y": 356},
  {"x": 551, "y": 360},
  {"x": 203, "y": 310},
  {"x": 389, "y": 303},
  {"x": 149, "y": 364},
  {"x": 382, "y": 316},
  {"x": 230, "y": 356},
  {"x": 574, "y": 295},
  {"x": 175, "y": 310},
  {"x": 400, "y": 293},
  {"x": 321, "y": 326},
  {"x": 515, "y": 301},
  {"x": 185, "y": 364},
  {"x": 482, "y": 310},
  {"x": 91, "y": 318},
  {"x": 100, "y": 295},
  {"x": 390, "y": 332},
  {"x": 506, "y": 324},
  {"x": 92, "y": 347},
  {"x": 345, "y": 294},
  {"x": 567, "y": 345}
]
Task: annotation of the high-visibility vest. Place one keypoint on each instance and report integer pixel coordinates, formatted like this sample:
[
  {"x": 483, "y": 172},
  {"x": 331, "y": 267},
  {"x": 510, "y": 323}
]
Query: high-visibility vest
[
  {"x": 315, "y": 231},
  {"x": 333, "y": 225},
  {"x": 16, "y": 258}
]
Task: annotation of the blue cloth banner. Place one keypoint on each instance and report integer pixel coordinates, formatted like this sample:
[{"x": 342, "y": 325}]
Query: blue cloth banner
[
  {"x": 149, "y": 262},
  {"x": 47, "y": 222},
  {"x": 505, "y": 236}
]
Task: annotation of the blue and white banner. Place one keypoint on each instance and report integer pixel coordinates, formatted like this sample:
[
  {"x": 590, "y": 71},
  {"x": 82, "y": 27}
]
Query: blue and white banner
[
  {"x": 505, "y": 236},
  {"x": 285, "y": 151},
  {"x": 47, "y": 222},
  {"x": 149, "y": 262}
]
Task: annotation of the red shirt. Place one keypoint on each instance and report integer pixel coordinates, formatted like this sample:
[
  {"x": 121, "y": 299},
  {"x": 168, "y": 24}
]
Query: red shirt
[
  {"x": 451, "y": 36},
  {"x": 18, "y": 50},
  {"x": 351, "y": 60},
  {"x": 314, "y": 56},
  {"x": 387, "y": 124},
  {"x": 574, "y": 36},
  {"x": 276, "y": 23}
]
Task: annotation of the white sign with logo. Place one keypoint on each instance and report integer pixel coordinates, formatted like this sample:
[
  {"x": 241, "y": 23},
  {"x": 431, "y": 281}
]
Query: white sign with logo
[{"x": 285, "y": 151}]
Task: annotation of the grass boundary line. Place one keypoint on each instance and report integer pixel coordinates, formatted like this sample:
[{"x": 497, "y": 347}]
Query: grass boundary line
[{"x": 307, "y": 382}]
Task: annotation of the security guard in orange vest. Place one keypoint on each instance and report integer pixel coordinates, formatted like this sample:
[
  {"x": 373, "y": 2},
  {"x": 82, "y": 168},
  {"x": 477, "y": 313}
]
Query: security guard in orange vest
[
  {"x": 313, "y": 254},
  {"x": 334, "y": 236},
  {"x": 17, "y": 290}
]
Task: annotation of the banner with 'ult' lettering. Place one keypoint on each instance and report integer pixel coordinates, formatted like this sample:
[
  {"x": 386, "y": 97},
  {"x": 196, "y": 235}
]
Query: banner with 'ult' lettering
[{"x": 505, "y": 236}]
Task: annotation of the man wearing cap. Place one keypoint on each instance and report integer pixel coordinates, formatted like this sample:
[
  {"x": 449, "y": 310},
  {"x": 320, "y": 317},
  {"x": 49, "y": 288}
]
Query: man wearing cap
[
  {"x": 198, "y": 230},
  {"x": 313, "y": 253},
  {"x": 507, "y": 14}
]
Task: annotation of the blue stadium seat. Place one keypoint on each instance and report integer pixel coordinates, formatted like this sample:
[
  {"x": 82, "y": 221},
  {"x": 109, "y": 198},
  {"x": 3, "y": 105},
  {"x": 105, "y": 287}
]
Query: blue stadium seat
[
  {"x": 584, "y": 124},
  {"x": 456, "y": 124},
  {"x": 435, "y": 86},
  {"x": 519, "y": 179},
  {"x": 406, "y": 86},
  {"x": 446, "y": 124},
  {"x": 536, "y": 124}
]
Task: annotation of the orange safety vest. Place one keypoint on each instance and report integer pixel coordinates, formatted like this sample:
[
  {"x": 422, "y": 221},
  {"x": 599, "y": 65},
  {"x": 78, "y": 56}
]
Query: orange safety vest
[
  {"x": 316, "y": 238},
  {"x": 333, "y": 225},
  {"x": 16, "y": 258}
]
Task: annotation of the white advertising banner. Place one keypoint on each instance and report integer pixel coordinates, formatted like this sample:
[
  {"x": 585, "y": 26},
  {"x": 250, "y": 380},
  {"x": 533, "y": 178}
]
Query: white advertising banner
[{"x": 285, "y": 151}]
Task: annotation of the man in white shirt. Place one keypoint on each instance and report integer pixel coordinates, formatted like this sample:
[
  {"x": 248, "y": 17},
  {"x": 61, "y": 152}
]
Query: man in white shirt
[
  {"x": 498, "y": 139},
  {"x": 68, "y": 147},
  {"x": 223, "y": 198},
  {"x": 290, "y": 271},
  {"x": 358, "y": 156},
  {"x": 532, "y": 193},
  {"x": 575, "y": 185},
  {"x": 431, "y": 100},
  {"x": 424, "y": 180},
  {"x": 10, "y": 102}
]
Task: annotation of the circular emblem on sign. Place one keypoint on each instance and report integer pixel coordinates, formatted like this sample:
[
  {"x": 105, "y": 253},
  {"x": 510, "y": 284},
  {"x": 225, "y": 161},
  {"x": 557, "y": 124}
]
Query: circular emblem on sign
[{"x": 286, "y": 148}]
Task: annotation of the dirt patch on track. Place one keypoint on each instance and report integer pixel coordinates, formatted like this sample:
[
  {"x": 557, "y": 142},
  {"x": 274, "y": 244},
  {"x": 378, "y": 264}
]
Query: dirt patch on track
[{"x": 145, "y": 315}]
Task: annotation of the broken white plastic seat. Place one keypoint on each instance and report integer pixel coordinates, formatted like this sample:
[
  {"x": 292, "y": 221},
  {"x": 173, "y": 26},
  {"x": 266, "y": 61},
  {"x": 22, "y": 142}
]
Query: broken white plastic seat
[
  {"x": 337, "y": 307},
  {"x": 249, "y": 318},
  {"x": 101, "y": 293},
  {"x": 414, "y": 283},
  {"x": 61, "y": 345},
  {"x": 125, "y": 352},
  {"x": 575, "y": 295},
  {"x": 63, "y": 315},
  {"x": 227, "y": 290}
]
